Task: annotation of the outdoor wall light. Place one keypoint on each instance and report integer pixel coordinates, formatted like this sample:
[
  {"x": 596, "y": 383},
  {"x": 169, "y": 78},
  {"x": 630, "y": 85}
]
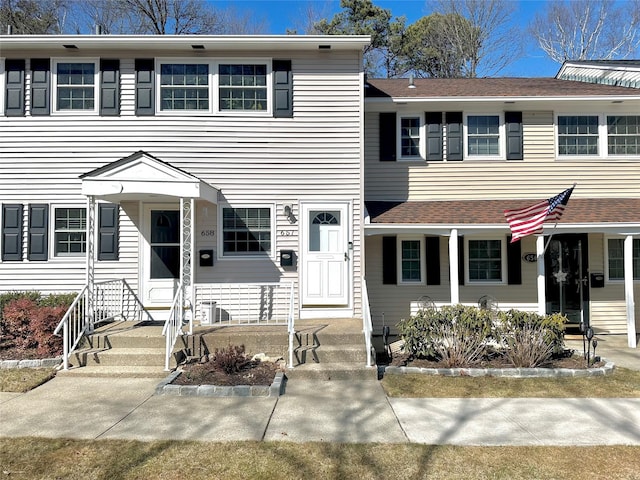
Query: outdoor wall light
[{"x": 288, "y": 212}]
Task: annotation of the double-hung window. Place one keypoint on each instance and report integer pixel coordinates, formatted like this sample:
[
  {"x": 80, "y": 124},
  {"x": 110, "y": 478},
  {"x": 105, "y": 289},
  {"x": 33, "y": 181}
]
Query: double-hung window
[
  {"x": 184, "y": 87},
  {"x": 242, "y": 87},
  {"x": 623, "y": 134},
  {"x": 410, "y": 143},
  {"x": 76, "y": 86},
  {"x": 70, "y": 237},
  {"x": 246, "y": 231},
  {"x": 411, "y": 260},
  {"x": 485, "y": 262},
  {"x": 615, "y": 258},
  {"x": 578, "y": 135},
  {"x": 483, "y": 136}
]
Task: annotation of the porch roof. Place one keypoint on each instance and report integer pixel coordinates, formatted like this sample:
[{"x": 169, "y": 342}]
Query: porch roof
[
  {"x": 580, "y": 211},
  {"x": 141, "y": 176}
]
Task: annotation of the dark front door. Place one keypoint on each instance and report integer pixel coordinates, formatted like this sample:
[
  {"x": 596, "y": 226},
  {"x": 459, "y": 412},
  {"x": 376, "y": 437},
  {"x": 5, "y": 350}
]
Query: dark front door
[{"x": 567, "y": 277}]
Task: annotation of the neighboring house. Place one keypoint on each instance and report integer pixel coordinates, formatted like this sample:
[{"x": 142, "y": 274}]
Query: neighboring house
[
  {"x": 219, "y": 162},
  {"x": 445, "y": 157},
  {"x": 622, "y": 73}
]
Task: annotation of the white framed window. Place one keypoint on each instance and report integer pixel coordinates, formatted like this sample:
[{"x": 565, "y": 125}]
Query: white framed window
[
  {"x": 184, "y": 87},
  {"x": 486, "y": 260},
  {"x": 411, "y": 131},
  {"x": 578, "y": 135},
  {"x": 411, "y": 260},
  {"x": 229, "y": 87},
  {"x": 623, "y": 135},
  {"x": 615, "y": 259},
  {"x": 69, "y": 231},
  {"x": 75, "y": 85},
  {"x": 484, "y": 136},
  {"x": 247, "y": 230}
]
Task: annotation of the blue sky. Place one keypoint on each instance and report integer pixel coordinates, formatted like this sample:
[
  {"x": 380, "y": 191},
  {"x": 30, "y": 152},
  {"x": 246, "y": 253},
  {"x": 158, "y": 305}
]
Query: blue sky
[{"x": 283, "y": 14}]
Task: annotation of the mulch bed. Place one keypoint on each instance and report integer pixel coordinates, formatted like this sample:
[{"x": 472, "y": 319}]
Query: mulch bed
[
  {"x": 14, "y": 353},
  {"x": 568, "y": 360},
  {"x": 252, "y": 373}
]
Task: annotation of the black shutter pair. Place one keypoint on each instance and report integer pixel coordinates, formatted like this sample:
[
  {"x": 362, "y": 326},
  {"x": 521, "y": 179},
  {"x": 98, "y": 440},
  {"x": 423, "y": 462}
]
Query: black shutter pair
[
  {"x": 390, "y": 262},
  {"x": 38, "y": 232}
]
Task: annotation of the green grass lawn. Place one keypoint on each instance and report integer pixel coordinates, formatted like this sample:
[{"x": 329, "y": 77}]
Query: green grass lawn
[{"x": 30, "y": 458}]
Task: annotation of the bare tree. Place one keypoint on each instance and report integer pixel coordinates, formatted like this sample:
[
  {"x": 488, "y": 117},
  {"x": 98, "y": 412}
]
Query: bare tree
[
  {"x": 307, "y": 16},
  {"x": 493, "y": 40},
  {"x": 588, "y": 29},
  {"x": 30, "y": 17}
]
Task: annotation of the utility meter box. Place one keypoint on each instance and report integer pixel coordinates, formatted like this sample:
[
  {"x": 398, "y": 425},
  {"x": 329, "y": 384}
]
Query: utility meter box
[{"x": 207, "y": 313}]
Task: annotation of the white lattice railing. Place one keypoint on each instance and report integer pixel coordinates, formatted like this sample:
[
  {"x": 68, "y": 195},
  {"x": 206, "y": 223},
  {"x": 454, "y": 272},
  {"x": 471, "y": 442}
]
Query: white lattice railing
[
  {"x": 109, "y": 300},
  {"x": 244, "y": 303}
]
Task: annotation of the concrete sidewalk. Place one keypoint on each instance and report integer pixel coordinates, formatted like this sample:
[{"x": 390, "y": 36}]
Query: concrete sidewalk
[{"x": 324, "y": 411}]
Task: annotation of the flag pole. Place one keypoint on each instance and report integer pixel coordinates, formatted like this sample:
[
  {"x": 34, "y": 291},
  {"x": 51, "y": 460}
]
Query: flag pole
[{"x": 553, "y": 230}]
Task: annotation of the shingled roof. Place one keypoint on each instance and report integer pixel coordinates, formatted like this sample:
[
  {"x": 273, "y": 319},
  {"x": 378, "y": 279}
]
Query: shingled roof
[
  {"x": 475, "y": 212},
  {"x": 490, "y": 87}
]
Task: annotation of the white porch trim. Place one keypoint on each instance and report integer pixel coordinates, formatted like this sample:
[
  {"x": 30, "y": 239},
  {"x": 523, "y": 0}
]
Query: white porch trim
[{"x": 628, "y": 291}]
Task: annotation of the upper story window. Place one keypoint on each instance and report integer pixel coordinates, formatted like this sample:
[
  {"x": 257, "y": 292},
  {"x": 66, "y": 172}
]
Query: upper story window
[
  {"x": 623, "y": 134},
  {"x": 242, "y": 87},
  {"x": 578, "y": 135},
  {"x": 483, "y": 136},
  {"x": 70, "y": 237},
  {"x": 410, "y": 137},
  {"x": 184, "y": 86},
  {"x": 615, "y": 258},
  {"x": 485, "y": 260},
  {"x": 75, "y": 86},
  {"x": 246, "y": 231}
]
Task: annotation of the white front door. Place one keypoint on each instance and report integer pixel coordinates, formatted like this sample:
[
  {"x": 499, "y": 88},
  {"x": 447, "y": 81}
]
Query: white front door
[
  {"x": 160, "y": 255},
  {"x": 325, "y": 255}
]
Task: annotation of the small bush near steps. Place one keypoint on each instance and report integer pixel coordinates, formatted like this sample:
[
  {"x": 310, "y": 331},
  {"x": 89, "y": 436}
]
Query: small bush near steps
[{"x": 461, "y": 336}]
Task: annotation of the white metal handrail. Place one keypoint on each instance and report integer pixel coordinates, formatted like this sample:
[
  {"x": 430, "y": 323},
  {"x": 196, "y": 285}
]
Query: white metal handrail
[
  {"x": 73, "y": 325},
  {"x": 367, "y": 326},
  {"x": 173, "y": 326},
  {"x": 291, "y": 328}
]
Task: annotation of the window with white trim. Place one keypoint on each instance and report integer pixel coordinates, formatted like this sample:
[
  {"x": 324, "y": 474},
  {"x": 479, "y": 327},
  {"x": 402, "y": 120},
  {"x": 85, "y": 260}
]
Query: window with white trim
[
  {"x": 578, "y": 135},
  {"x": 3, "y": 86},
  {"x": 242, "y": 87},
  {"x": 246, "y": 231},
  {"x": 485, "y": 260},
  {"x": 184, "y": 86},
  {"x": 411, "y": 260},
  {"x": 483, "y": 136},
  {"x": 69, "y": 232},
  {"x": 623, "y": 134},
  {"x": 615, "y": 259},
  {"x": 75, "y": 84},
  {"x": 410, "y": 142}
]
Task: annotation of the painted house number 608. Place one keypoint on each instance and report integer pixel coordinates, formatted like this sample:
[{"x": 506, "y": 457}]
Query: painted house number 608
[{"x": 207, "y": 233}]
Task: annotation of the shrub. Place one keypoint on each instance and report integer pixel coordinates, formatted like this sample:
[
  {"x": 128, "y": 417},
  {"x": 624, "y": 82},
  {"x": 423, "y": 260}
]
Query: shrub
[
  {"x": 230, "y": 359},
  {"x": 454, "y": 334},
  {"x": 529, "y": 339}
]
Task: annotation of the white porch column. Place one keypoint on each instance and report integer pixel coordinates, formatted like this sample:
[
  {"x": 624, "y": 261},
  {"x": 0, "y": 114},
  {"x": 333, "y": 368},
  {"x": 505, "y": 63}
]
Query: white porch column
[
  {"x": 628, "y": 291},
  {"x": 542, "y": 294},
  {"x": 90, "y": 268},
  {"x": 453, "y": 267},
  {"x": 186, "y": 258}
]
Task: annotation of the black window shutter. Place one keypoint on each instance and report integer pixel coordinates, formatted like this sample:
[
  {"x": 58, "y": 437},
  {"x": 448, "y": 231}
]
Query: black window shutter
[
  {"x": 14, "y": 73},
  {"x": 514, "y": 262},
  {"x": 108, "y": 231},
  {"x": 513, "y": 121},
  {"x": 433, "y": 260},
  {"x": 454, "y": 136},
  {"x": 145, "y": 103},
  {"x": 282, "y": 89},
  {"x": 387, "y": 137},
  {"x": 434, "y": 135},
  {"x": 11, "y": 232},
  {"x": 389, "y": 261},
  {"x": 109, "y": 87},
  {"x": 38, "y": 232},
  {"x": 40, "y": 86},
  {"x": 461, "y": 260}
]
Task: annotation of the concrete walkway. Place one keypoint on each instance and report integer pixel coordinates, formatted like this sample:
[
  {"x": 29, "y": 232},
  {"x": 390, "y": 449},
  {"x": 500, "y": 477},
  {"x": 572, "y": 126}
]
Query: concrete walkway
[{"x": 331, "y": 411}]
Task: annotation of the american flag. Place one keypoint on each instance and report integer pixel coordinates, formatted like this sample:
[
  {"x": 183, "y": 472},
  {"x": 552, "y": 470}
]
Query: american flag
[{"x": 529, "y": 220}]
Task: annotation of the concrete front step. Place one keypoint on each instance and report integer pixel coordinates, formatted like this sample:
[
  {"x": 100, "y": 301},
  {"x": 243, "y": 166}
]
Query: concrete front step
[
  {"x": 119, "y": 371},
  {"x": 138, "y": 357},
  {"x": 334, "y": 354},
  {"x": 332, "y": 371}
]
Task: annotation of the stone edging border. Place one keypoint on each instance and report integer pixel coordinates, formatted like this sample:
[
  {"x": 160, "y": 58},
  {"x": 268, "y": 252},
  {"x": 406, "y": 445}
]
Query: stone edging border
[
  {"x": 167, "y": 388},
  {"x": 505, "y": 372},
  {"x": 32, "y": 363}
]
